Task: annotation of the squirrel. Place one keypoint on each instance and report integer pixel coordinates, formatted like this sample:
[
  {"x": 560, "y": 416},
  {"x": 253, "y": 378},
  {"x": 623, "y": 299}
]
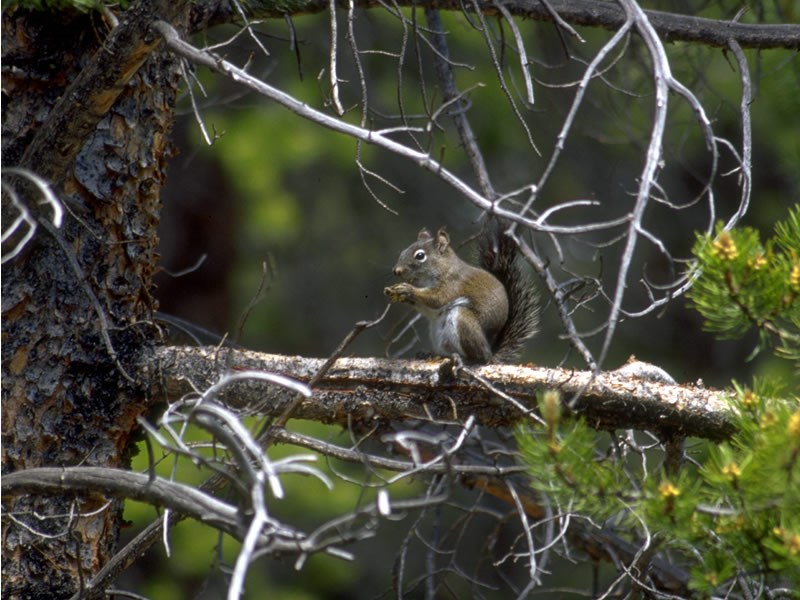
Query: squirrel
[{"x": 480, "y": 315}]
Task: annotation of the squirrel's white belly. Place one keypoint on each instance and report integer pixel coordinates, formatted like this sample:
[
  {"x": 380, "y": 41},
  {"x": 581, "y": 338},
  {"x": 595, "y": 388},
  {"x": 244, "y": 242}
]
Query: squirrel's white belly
[{"x": 444, "y": 328}]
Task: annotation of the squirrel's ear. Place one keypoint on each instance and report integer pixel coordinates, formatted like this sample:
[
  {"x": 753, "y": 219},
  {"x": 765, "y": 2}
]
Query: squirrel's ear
[
  {"x": 442, "y": 240},
  {"x": 423, "y": 235}
]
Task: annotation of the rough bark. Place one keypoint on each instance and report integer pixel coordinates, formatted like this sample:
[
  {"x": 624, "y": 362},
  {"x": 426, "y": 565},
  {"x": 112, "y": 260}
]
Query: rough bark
[
  {"x": 367, "y": 390},
  {"x": 66, "y": 397}
]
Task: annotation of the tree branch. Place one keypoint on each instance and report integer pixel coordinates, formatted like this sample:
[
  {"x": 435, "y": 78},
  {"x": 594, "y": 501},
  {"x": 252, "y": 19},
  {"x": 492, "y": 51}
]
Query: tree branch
[
  {"x": 367, "y": 390},
  {"x": 188, "y": 501},
  {"x": 194, "y": 503},
  {"x": 607, "y": 15},
  {"x": 138, "y": 486}
]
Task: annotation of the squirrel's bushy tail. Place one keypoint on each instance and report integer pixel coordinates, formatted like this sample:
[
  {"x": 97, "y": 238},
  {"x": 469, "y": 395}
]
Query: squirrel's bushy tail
[{"x": 498, "y": 254}]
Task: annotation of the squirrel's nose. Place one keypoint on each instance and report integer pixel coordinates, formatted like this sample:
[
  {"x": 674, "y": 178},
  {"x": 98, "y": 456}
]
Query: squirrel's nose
[{"x": 398, "y": 271}]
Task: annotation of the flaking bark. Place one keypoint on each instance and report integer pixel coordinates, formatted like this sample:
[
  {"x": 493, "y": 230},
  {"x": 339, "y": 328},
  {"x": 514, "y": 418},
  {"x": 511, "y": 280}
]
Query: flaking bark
[
  {"x": 93, "y": 115},
  {"x": 364, "y": 390}
]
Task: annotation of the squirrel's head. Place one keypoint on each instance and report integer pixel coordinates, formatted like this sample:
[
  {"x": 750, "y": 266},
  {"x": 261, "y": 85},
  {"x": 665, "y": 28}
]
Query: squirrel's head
[{"x": 426, "y": 260}]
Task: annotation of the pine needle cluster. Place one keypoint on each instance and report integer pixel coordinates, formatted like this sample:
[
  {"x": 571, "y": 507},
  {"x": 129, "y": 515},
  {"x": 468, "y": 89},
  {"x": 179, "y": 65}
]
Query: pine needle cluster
[
  {"x": 730, "y": 515},
  {"x": 742, "y": 283}
]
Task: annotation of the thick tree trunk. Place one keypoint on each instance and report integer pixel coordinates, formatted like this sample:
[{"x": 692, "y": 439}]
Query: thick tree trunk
[{"x": 77, "y": 302}]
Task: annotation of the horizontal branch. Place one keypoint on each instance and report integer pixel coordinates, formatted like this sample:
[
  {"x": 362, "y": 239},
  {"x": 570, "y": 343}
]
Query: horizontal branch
[
  {"x": 364, "y": 390},
  {"x": 591, "y": 13},
  {"x": 125, "y": 484},
  {"x": 189, "y": 501},
  {"x": 671, "y": 27}
]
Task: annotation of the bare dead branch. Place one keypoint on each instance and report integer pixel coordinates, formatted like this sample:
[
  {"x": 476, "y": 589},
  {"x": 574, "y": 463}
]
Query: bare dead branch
[
  {"x": 359, "y": 327},
  {"x": 423, "y": 159},
  {"x": 119, "y": 482},
  {"x": 559, "y": 297},
  {"x": 591, "y": 69},
  {"x": 662, "y": 78},
  {"x": 205, "y": 508},
  {"x": 378, "y": 138},
  {"x": 334, "y": 72},
  {"x": 367, "y": 390},
  {"x": 23, "y": 224},
  {"x": 408, "y": 468},
  {"x": 484, "y": 30},
  {"x": 608, "y": 15},
  {"x": 444, "y": 71},
  {"x": 521, "y": 51},
  {"x": 188, "y": 501},
  {"x": 746, "y": 159}
]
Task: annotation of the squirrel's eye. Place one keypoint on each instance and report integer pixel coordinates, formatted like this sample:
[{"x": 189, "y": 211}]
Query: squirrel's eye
[{"x": 420, "y": 256}]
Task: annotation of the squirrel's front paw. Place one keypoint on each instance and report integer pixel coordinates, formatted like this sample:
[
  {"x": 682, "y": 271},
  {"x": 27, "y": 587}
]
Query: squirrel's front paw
[{"x": 399, "y": 292}]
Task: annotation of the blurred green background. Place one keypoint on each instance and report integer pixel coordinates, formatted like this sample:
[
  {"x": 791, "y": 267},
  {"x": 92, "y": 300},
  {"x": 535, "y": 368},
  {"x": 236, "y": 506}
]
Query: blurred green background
[{"x": 275, "y": 189}]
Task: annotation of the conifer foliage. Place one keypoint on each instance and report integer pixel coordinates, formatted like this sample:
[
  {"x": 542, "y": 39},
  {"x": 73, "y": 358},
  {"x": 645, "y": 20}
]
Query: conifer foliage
[
  {"x": 730, "y": 515},
  {"x": 742, "y": 283}
]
